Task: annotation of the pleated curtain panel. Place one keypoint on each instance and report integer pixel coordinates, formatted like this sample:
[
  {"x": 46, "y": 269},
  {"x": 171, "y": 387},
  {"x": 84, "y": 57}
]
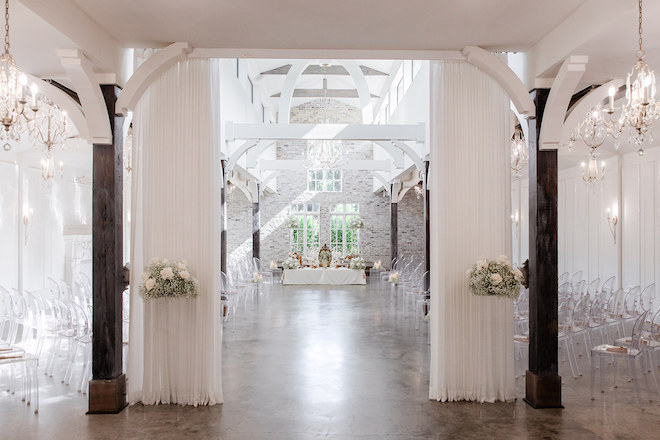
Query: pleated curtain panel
[
  {"x": 472, "y": 337},
  {"x": 175, "y": 344}
]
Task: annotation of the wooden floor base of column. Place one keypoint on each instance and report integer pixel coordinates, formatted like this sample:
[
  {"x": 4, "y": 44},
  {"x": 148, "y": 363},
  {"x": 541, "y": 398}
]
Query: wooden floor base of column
[
  {"x": 542, "y": 391},
  {"x": 107, "y": 396}
]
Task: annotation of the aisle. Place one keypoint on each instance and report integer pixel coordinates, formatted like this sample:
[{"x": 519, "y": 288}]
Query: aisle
[{"x": 324, "y": 359}]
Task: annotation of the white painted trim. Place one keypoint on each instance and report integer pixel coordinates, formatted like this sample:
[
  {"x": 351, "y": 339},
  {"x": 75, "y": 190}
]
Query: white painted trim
[
  {"x": 356, "y": 132},
  {"x": 286, "y": 96},
  {"x": 147, "y": 73},
  {"x": 563, "y": 88},
  {"x": 589, "y": 101},
  {"x": 385, "y": 184},
  {"x": 505, "y": 77},
  {"x": 333, "y": 54},
  {"x": 255, "y": 152},
  {"x": 82, "y": 75}
]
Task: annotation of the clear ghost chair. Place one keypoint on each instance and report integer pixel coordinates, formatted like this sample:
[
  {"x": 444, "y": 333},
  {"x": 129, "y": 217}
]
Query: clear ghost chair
[
  {"x": 614, "y": 353},
  {"x": 563, "y": 278},
  {"x": 646, "y": 298},
  {"x": 631, "y": 308},
  {"x": 593, "y": 290},
  {"x": 608, "y": 287},
  {"x": 577, "y": 277},
  {"x": 265, "y": 273}
]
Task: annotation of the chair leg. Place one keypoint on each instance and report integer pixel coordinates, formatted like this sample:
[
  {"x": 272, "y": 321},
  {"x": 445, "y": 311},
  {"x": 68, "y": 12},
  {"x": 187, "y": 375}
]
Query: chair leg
[{"x": 631, "y": 373}]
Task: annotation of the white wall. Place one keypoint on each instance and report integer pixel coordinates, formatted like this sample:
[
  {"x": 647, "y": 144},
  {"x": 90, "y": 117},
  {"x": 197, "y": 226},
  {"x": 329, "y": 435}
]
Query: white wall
[
  {"x": 58, "y": 209},
  {"x": 640, "y": 222},
  {"x": 585, "y": 240}
]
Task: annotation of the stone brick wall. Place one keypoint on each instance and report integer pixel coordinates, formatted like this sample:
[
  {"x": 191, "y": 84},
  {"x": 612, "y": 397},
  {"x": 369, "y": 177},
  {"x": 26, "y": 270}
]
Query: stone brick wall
[
  {"x": 292, "y": 188},
  {"x": 411, "y": 225}
]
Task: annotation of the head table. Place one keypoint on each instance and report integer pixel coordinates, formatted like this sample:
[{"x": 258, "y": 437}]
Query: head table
[{"x": 324, "y": 276}]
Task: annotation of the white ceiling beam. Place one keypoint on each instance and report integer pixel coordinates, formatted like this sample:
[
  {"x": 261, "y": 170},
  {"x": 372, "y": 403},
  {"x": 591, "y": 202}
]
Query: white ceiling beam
[
  {"x": 294, "y": 164},
  {"x": 356, "y": 132},
  {"x": 288, "y": 88},
  {"x": 411, "y": 153},
  {"x": 363, "y": 90},
  {"x": 65, "y": 16},
  {"x": 328, "y": 54},
  {"x": 560, "y": 96},
  {"x": 505, "y": 77},
  {"x": 147, "y": 73},
  {"x": 395, "y": 153},
  {"x": 82, "y": 75}
]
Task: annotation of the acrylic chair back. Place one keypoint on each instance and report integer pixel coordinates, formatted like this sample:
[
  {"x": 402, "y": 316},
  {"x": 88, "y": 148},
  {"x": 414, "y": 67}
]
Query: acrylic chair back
[
  {"x": 646, "y": 298},
  {"x": 637, "y": 330}
]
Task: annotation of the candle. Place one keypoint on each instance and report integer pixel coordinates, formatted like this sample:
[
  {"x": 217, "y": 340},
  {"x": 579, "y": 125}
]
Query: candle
[
  {"x": 611, "y": 93},
  {"x": 34, "y": 89}
]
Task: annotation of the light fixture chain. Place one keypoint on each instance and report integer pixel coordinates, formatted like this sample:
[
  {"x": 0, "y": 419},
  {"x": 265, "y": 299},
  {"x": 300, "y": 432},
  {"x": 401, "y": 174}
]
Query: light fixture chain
[
  {"x": 641, "y": 51},
  {"x": 6, "y": 26}
]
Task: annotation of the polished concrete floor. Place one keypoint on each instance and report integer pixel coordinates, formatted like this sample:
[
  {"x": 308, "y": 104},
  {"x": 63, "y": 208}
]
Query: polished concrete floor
[{"x": 333, "y": 363}]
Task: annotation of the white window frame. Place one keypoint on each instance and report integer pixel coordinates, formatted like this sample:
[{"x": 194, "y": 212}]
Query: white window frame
[
  {"x": 329, "y": 178},
  {"x": 308, "y": 211},
  {"x": 342, "y": 211}
]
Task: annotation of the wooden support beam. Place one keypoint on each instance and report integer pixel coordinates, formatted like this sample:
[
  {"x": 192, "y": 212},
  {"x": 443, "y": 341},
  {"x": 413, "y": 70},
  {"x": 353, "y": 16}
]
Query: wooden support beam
[
  {"x": 223, "y": 218},
  {"x": 542, "y": 381},
  {"x": 256, "y": 226},
  {"x": 107, "y": 389}
]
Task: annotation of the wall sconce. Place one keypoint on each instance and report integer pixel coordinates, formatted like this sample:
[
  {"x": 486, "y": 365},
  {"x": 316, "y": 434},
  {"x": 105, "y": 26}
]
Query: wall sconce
[
  {"x": 612, "y": 220},
  {"x": 28, "y": 219},
  {"x": 515, "y": 223}
]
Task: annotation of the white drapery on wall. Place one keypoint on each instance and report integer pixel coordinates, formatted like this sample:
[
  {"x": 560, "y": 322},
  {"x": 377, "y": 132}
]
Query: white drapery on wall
[
  {"x": 472, "y": 337},
  {"x": 175, "y": 344}
]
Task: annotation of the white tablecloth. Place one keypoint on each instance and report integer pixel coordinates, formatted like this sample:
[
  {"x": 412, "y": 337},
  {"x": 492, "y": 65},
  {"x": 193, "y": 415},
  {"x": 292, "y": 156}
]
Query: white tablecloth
[{"x": 324, "y": 276}]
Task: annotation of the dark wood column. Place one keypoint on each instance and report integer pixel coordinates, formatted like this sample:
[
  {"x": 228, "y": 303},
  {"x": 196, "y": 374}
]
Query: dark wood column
[
  {"x": 427, "y": 223},
  {"x": 107, "y": 389},
  {"x": 223, "y": 218},
  {"x": 394, "y": 224},
  {"x": 256, "y": 226},
  {"x": 542, "y": 381}
]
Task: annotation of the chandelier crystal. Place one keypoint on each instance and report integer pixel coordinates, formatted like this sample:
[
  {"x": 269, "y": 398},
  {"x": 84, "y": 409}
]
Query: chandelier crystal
[
  {"x": 50, "y": 129},
  {"x": 591, "y": 173},
  {"x": 324, "y": 155},
  {"x": 14, "y": 108},
  {"x": 640, "y": 107},
  {"x": 519, "y": 153}
]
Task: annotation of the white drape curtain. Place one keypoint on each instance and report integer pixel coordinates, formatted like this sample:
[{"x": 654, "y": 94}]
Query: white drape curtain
[
  {"x": 472, "y": 337},
  {"x": 175, "y": 344}
]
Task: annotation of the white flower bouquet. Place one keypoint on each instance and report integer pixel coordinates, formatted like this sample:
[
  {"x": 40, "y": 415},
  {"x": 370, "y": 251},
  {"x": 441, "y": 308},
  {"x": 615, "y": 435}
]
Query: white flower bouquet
[
  {"x": 494, "y": 278},
  {"x": 291, "y": 263},
  {"x": 355, "y": 223},
  {"x": 257, "y": 278},
  {"x": 165, "y": 279},
  {"x": 394, "y": 277},
  {"x": 357, "y": 263},
  {"x": 292, "y": 222}
]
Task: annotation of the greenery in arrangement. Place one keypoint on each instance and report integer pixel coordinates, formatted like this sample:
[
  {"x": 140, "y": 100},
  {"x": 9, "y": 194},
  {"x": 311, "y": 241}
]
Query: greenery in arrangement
[
  {"x": 293, "y": 222},
  {"x": 357, "y": 263},
  {"x": 166, "y": 279},
  {"x": 355, "y": 223},
  {"x": 291, "y": 263},
  {"x": 494, "y": 278}
]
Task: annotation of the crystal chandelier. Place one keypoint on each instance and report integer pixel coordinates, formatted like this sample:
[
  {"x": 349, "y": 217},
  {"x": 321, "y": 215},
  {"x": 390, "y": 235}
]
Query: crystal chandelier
[
  {"x": 519, "y": 153},
  {"x": 50, "y": 129},
  {"x": 590, "y": 171},
  {"x": 13, "y": 94},
  {"x": 324, "y": 154},
  {"x": 594, "y": 129},
  {"x": 640, "y": 107}
]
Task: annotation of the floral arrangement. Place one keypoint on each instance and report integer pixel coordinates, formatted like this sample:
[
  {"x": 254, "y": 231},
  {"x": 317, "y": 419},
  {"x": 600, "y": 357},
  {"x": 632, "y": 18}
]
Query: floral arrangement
[
  {"x": 494, "y": 278},
  {"x": 378, "y": 265},
  {"x": 355, "y": 223},
  {"x": 292, "y": 222},
  {"x": 273, "y": 265},
  {"x": 357, "y": 263},
  {"x": 257, "y": 278},
  {"x": 325, "y": 256},
  {"x": 165, "y": 279},
  {"x": 394, "y": 277},
  {"x": 291, "y": 263}
]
